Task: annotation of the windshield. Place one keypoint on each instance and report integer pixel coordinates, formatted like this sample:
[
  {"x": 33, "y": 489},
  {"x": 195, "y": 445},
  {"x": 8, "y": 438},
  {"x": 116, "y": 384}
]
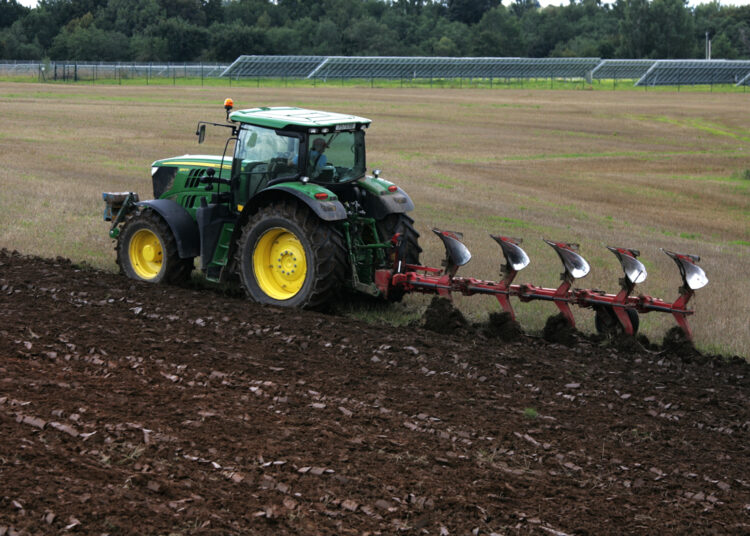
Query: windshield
[{"x": 336, "y": 157}]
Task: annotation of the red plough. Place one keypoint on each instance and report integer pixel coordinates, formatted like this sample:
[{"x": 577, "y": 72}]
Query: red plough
[{"x": 613, "y": 311}]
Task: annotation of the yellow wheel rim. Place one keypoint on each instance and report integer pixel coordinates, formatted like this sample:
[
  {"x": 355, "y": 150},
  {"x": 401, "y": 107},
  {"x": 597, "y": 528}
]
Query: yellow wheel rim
[
  {"x": 279, "y": 264},
  {"x": 146, "y": 254}
]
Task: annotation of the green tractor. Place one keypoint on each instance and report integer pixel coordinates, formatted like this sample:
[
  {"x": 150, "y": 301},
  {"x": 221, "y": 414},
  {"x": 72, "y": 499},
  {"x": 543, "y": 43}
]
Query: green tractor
[{"x": 291, "y": 214}]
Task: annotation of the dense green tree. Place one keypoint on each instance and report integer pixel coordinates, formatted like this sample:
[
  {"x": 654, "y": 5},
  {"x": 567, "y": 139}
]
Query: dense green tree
[
  {"x": 519, "y": 7},
  {"x": 40, "y": 26},
  {"x": 213, "y": 11},
  {"x": 497, "y": 34},
  {"x": 191, "y": 11},
  {"x": 470, "y": 11},
  {"x": 728, "y": 28},
  {"x": 185, "y": 41},
  {"x": 129, "y": 16},
  {"x": 148, "y": 48},
  {"x": 368, "y": 37},
  {"x": 15, "y": 44},
  {"x": 193, "y": 30},
  {"x": 83, "y": 42},
  {"x": 10, "y": 12},
  {"x": 635, "y": 28},
  {"x": 328, "y": 39},
  {"x": 245, "y": 11},
  {"x": 672, "y": 29},
  {"x": 721, "y": 48}
]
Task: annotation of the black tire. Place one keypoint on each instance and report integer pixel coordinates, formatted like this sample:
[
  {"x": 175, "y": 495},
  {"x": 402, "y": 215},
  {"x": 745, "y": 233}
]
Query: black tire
[
  {"x": 606, "y": 322},
  {"x": 401, "y": 223},
  {"x": 324, "y": 256},
  {"x": 166, "y": 266}
]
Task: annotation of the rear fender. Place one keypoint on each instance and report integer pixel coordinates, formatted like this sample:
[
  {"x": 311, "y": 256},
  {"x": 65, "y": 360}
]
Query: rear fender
[
  {"x": 380, "y": 201},
  {"x": 327, "y": 210},
  {"x": 183, "y": 226}
]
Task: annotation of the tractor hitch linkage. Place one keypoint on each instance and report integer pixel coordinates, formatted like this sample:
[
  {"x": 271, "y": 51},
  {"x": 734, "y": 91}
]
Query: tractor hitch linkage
[{"x": 620, "y": 308}]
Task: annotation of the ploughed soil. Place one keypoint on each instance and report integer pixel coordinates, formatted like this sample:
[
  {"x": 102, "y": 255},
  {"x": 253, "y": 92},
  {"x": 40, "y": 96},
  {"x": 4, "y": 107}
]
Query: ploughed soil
[{"x": 128, "y": 408}]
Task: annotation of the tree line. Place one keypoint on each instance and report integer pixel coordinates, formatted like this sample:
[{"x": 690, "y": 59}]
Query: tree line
[{"x": 221, "y": 30}]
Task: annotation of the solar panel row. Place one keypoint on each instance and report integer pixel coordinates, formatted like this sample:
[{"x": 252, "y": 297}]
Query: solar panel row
[
  {"x": 686, "y": 72},
  {"x": 410, "y": 67},
  {"x": 646, "y": 72}
]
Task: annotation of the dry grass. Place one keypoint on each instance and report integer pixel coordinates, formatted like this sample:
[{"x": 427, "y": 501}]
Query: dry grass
[{"x": 644, "y": 170}]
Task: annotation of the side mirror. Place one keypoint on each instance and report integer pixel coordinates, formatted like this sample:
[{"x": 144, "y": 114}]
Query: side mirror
[{"x": 201, "y": 133}]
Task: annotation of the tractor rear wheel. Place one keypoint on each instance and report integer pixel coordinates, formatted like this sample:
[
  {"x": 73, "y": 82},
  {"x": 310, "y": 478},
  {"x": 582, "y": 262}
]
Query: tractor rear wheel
[
  {"x": 147, "y": 250},
  {"x": 289, "y": 257},
  {"x": 607, "y": 323},
  {"x": 401, "y": 223}
]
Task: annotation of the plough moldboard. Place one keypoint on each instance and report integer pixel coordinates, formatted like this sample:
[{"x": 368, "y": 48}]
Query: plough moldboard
[{"x": 614, "y": 312}]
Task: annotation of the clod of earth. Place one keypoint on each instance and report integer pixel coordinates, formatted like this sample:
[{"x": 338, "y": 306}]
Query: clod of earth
[
  {"x": 502, "y": 326},
  {"x": 442, "y": 317},
  {"x": 675, "y": 343},
  {"x": 557, "y": 330}
]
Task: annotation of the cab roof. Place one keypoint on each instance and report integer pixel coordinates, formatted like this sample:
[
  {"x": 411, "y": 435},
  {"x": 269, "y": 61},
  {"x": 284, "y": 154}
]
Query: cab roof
[{"x": 282, "y": 117}]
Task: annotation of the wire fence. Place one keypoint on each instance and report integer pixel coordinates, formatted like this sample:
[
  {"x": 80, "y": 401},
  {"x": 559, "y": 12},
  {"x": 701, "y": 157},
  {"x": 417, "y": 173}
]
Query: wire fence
[
  {"x": 75, "y": 71},
  {"x": 440, "y": 71}
]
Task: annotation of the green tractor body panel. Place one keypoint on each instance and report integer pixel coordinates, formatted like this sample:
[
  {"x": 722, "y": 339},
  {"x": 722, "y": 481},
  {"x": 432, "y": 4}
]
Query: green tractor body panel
[
  {"x": 178, "y": 179},
  {"x": 279, "y": 155}
]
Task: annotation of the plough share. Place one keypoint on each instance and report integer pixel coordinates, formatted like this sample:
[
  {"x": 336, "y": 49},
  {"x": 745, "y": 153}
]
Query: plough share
[{"x": 613, "y": 311}]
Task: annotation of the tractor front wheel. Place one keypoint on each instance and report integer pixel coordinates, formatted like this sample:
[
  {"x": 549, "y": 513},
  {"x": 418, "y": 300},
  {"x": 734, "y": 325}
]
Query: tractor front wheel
[
  {"x": 147, "y": 250},
  {"x": 289, "y": 257}
]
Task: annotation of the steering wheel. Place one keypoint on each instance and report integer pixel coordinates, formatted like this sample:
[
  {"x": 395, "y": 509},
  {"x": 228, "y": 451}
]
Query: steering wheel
[{"x": 332, "y": 169}]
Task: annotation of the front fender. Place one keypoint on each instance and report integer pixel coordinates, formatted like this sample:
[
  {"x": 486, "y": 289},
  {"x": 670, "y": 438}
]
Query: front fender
[{"x": 183, "y": 226}]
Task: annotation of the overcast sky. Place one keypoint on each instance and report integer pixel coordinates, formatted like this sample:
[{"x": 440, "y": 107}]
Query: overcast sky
[{"x": 32, "y": 3}]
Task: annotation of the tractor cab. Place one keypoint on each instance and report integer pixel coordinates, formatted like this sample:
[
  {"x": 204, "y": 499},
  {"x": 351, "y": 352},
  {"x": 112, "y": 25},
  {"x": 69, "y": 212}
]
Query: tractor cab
[{"x": 278, "y": 145}]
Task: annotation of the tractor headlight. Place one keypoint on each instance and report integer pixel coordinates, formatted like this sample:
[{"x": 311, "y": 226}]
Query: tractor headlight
[{"x": 154, "y": 169}]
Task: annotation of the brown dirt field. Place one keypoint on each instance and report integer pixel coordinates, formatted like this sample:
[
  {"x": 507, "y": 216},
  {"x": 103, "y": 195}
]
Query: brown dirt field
[{"x": 134, "y": 409}]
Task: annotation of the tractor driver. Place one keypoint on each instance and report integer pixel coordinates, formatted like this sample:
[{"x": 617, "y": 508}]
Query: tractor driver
[{"x": 317, "y": 160}]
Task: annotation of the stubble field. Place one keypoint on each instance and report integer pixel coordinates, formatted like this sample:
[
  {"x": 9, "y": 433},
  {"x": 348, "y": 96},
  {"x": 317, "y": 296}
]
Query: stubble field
[{"x": 642, "y": 170}]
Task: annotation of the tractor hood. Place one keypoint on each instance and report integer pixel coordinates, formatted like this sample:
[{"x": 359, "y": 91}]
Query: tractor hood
[
  {"x": 194, "y": 160},
  {"x": 170, "y": 176}
]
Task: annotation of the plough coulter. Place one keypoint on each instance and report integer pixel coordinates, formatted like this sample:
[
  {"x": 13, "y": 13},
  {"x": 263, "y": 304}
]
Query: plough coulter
[{"x": 613, "y": 311}]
